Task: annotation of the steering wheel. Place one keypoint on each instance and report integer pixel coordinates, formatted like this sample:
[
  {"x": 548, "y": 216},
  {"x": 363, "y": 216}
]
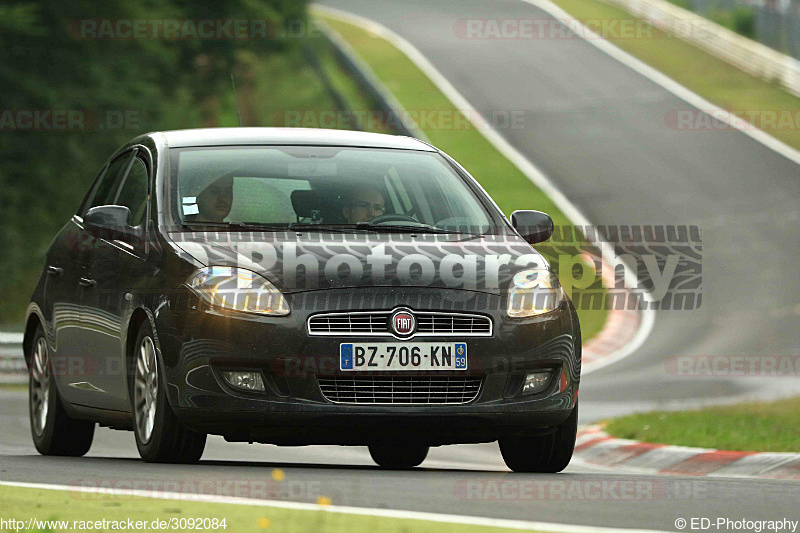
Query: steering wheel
[{"x": 394, "y": 217}]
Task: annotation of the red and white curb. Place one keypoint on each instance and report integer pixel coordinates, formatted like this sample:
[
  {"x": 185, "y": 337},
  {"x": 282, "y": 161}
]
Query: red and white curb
[
  {"x": 596, "y": 447},
  {"x": 624, "y": 331}
]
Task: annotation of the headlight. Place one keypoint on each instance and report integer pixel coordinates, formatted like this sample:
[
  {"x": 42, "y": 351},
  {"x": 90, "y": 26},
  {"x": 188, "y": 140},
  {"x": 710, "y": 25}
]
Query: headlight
[
  {"x": 238, "y": 289},
  {"x": 533, "y": 292}
]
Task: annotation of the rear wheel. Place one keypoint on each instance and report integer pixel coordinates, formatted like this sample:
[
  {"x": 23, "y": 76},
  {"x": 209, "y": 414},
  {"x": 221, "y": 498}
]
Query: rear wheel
[
  {"x": 542, "y": 453},
  {"x": 54, "y": 432},
  {"x": 398, "y": 455},
  {"x": 160, "y": 436}
]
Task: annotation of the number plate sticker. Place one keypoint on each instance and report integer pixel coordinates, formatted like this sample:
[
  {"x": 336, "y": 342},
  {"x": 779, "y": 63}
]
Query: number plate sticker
[{"x": 364, "y": 356}]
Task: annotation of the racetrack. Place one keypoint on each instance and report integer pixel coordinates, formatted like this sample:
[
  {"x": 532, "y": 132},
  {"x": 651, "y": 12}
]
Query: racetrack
[{"x": 598, "y": 132}]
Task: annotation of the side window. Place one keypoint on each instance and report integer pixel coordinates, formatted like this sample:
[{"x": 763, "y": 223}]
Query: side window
[
  {"x": 103, "y": 193},
  {"x": 133, "y": 193}
]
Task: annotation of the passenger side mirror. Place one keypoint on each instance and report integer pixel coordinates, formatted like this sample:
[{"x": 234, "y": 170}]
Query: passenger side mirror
[
  {"x": 110, "y": 222},
  {"x": 534, "y": 226}
]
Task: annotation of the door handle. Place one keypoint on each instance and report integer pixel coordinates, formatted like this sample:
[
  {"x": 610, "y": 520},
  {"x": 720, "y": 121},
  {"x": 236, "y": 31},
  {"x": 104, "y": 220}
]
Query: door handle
[
  {"x": 54, "y": 270},
  {"x": 86, "y": 282}
]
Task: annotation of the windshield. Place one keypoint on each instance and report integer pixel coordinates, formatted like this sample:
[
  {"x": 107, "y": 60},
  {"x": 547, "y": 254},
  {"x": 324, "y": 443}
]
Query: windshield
[{"x": 320, "y": 187}]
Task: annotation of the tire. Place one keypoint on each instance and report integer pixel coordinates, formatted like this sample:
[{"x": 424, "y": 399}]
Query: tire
[
  {"x": 160, "y": 436},
  {"x": 398, "y": 455},
  {"x": 54, "y": 432},
  {"x": 542, "y": 453}
]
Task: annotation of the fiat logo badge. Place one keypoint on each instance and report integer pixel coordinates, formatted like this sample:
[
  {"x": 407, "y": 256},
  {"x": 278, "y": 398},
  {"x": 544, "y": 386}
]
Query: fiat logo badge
[{"x": 403, "y": 323}]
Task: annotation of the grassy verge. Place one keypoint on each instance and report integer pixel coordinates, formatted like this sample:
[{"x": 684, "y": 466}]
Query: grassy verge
[
  {"x": 764, "y": 427},
  {"x": 26, "y": 503},
  {"x": 509, "y": 187},
  {"x": 706, "y": 75}
]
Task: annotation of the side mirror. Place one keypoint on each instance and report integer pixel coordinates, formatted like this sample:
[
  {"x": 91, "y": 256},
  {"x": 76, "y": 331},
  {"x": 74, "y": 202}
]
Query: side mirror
[
  {"x": 534, "y": 226},
  {"x": 110, "y": 222}
]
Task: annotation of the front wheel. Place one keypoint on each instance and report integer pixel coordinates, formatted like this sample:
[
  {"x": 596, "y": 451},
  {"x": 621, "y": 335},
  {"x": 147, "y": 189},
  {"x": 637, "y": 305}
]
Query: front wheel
[
  {"x": 54, "y": 432},
  {"x": 398, "y": 455},
  {"x": 160, "y": 436},
  {"x": 542, "y": 453}
]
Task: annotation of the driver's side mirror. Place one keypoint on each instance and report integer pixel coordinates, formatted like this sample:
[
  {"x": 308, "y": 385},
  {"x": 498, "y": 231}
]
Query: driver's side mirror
[
  {"x": 110, "y": 222},
  {"x": 534, "y": 226}
]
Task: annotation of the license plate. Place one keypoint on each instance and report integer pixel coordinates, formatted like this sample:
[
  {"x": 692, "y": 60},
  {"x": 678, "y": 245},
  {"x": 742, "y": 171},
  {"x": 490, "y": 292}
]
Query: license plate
[{"x": 364, "y": 356}]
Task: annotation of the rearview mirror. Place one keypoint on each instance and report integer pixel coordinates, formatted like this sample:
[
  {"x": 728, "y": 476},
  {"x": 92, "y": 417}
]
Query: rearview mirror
[
  {"x": 110, "y": 222},
  {"x": 534, "y": 226}
]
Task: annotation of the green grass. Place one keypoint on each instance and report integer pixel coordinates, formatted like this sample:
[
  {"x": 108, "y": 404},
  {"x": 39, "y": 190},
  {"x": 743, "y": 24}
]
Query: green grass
[
  {"x": 13, "y": 386},
  {"x": 763, "y": 426},
  {"x": 706, "y": 75},
  {"x": 509, "y": 187},
  {"x": 26, "y": 503}
]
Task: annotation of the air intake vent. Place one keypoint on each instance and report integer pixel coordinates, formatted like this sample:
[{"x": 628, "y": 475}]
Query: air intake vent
[{"x": 400, "y": 390}]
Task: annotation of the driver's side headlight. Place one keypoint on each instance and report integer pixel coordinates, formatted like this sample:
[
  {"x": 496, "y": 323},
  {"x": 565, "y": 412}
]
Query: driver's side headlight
[
  {"x": 238, "y": 289},
  {"x": 533, "y": 292}
]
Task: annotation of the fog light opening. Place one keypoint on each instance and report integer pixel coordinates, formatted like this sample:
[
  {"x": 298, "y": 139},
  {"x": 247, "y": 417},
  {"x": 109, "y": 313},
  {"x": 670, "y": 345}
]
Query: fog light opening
[
  {"x": 244, "y": 380},
  {"x": 536, "y": 382}
]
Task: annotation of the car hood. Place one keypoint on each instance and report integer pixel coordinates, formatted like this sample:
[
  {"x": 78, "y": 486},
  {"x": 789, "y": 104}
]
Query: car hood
[{"x": 298, "y": 262}]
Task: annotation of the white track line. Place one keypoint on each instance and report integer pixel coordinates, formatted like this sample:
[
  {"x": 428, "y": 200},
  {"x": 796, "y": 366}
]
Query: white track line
[
  {"x": 385, "y": 513},
  {"x": 667, "y": 83},
  {"x": 10, "y": 338},
  {"x": 512, "y": 154}
]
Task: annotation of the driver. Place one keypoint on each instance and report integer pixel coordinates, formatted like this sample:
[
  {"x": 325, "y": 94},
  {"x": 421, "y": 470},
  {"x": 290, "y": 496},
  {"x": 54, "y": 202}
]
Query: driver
[
  {"x": 363, "y": 204},
  {"x": 215, "y": 201}
]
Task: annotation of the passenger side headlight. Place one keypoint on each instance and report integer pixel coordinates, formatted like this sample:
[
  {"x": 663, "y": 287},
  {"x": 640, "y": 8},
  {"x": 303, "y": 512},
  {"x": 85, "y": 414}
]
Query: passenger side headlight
[
  {"x": 534, "y": 292},
  {"x": 238, "y": 289}
]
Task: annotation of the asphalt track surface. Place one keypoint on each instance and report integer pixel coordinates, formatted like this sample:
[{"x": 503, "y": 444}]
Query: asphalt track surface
[{"x": 597, "y": 129}]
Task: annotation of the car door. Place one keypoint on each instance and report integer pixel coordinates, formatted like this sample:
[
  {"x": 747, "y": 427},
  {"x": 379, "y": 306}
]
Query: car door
[
  {"x": 78, "y": 370},
  {"x": 118, "y": 269},
  {"x": 64, "y": 267}
]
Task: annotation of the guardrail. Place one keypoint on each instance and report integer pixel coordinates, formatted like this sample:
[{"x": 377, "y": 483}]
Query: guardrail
[
  {"x": 741, "y": 52},
  {"x": 12, "y": 362}
]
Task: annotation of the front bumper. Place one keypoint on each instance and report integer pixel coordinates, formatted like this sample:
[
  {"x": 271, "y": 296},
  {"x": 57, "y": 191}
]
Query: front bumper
[{"x": 197, "y": 343}]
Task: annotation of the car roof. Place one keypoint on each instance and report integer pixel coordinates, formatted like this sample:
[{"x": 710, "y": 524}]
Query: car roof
[{"x": 288, "y": 136}]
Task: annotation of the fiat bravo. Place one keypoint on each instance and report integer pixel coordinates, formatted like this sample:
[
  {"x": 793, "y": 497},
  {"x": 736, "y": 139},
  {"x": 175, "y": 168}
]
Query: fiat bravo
[{"x": 298, "y": 287}]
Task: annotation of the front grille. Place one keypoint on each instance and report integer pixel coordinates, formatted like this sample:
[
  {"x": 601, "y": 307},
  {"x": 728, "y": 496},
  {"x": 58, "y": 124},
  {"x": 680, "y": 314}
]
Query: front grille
[
  {"x": 403, "y": 390},
  {"x": 377, "y": 323}
]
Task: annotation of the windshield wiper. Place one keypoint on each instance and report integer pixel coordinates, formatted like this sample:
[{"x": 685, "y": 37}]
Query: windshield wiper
[
  {"x": 381, "y": 228},
  {"x": 240, "y": 226},
  {"x": 338, "y": 228}
]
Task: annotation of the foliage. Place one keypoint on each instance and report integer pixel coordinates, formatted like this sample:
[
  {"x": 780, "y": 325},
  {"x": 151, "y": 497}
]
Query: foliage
[{"x": 120, "y": 88}]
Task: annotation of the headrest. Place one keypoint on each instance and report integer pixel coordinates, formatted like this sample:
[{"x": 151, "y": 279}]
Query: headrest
[{"x": 304, "y": 202}]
